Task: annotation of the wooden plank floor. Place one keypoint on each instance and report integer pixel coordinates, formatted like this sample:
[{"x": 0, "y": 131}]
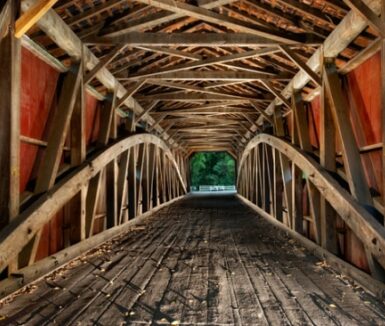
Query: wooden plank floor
[{"x": 205, "y": 260}]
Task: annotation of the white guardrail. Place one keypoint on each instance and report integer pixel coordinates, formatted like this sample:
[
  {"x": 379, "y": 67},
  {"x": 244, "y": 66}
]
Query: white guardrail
[{"x": 213, "y": 188}]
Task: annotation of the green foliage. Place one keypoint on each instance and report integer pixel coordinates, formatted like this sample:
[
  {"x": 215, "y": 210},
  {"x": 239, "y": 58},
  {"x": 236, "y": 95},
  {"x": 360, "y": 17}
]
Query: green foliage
[{"x": 212, "y": 169}]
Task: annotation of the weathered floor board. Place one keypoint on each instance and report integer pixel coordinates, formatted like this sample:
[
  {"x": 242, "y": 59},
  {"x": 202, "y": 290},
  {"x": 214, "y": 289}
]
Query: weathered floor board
[{"x": 205, "y": 260}]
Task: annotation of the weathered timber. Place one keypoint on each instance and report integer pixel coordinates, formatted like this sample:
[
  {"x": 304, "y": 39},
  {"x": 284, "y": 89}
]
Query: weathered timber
[
  {"x": 362, "y": 223},
  {"x": 24, "y": 227},
  {"x": 10, "y": 62},
  {"x": 185, "y": 39}
]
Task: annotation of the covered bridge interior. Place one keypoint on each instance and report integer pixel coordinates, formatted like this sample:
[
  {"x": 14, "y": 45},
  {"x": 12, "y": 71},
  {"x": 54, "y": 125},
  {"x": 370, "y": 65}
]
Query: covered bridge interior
[{"x": 102, "y": 105}]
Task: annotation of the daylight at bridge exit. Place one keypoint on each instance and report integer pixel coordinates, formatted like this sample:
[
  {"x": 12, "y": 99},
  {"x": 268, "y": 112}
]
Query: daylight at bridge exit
[{"x": 192, "y": 162}]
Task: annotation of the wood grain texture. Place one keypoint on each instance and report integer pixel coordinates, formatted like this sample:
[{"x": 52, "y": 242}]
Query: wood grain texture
[
  {"x": 23, "y": 228},
  {"x": 205, "y": 260}
]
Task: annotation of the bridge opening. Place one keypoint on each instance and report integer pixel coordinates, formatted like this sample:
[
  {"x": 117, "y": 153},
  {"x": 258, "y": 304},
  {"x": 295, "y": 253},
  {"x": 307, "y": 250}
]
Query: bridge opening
[{"x": 212, "y": 171}]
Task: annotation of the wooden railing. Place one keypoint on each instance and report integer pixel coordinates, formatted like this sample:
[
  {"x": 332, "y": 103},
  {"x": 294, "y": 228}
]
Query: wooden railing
[
  {"x": 274, "y": 175},
  {"x": 140, "y": 173}
]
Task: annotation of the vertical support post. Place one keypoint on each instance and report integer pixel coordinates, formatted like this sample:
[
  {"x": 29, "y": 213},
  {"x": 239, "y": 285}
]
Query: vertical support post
[
  {"x": 269, "y": 171},
  {"x": 131, "y": 173},
  {"x": 76, "y": 213},
  {"x": 155, "y": 179},
  {"x": 10, "y": 59},
  {"x": 146, "y": 180},
  {"x": 278, "y": 187},
  {"x": 139, "y": 174},
  {"x": 301, "y": 123},
  {"x": 112, "y": 181},
  {"x": 106, "y": 113},
  {"x": 285, "y": 166},
  {"x": 122, "y": 186},
  {"x": 328, "y": 161},
  {"x": 161, "y": 178},
  {"x": 112, "y": 194},
  {"x": 151, "y": 170},
  {"x": 132, "y": 193}
]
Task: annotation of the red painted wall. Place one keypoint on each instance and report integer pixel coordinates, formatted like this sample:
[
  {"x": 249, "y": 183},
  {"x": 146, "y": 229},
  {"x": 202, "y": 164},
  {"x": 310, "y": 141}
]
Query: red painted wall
[
  {"x": 363, "y": 92},
  {"x": 38, "y": 85},
  {"x": 364, "y": 96},
  {"x": 314, "y": 121},
  {"x": 38, "y": 102}
]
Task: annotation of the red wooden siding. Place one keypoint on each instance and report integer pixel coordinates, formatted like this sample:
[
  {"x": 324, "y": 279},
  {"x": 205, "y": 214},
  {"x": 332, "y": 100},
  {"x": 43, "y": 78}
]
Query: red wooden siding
[
  {"x": 38, "y": 85},
  {"x": 92, "y": 118},
  {"x": 38, "y": 102}
]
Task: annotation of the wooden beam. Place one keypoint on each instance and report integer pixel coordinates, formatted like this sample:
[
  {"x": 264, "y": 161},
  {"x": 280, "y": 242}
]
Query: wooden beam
[
  {"x": 136, "y": 39},
  {"x": 301, "y": 124},
  {"x": 157, "y": 121},
  {"x": 50, "y": 164},
  {"x": 273, "y": 91},
  {"x": 355, "y": 215},
  {"x": 217, "y": 75},
  {"x": 171, "y": 52},
  {"x": 145, "y": 180},
  {"x": 222, "y": 20},
  {"x": 158, "y": 19},
  {"x": 219, "y": 111},
  {"x": 29, "y": 18},
  {"x": 132, "y": 191},
  {"x": 146, "y": 111},
  {"x": 327, "y": 148},
  {"x": 337, "y": 41},
  {"x": 23, "y": 228},
  {"x": 371, "y": 17},
  {"x": 67, "y": 40},
  {"x": 10, "y": 66},
  {"x": 261, "y": 111},
  {"x": 337, "y": 263},
  {"x": 106, "y": 113},
  {"x": 5, "y": 14},
  {"x": 300, "y": 64},
  {"x": 51, "y": 263},
  {"x": 361, "y": 57},
  {"x": 111, "y": 194},
  {"x": 75, "y": 215},
  {"x": 189, "y": 97},
  {"x": 93, "y": 11},
  {"x": 191, "y": 88},
  {"x": 209, "y": 62},
  {"x": 285, "y": 170},
  {"x": 103, "y": 63},
  {"x": 351, "y": 156},
  {"x": 130, "y": 92}
]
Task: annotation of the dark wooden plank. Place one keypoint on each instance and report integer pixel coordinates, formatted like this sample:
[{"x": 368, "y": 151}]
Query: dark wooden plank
[
  {"x": 10, "y": 61},
  {"x": 202, "y": 260}
]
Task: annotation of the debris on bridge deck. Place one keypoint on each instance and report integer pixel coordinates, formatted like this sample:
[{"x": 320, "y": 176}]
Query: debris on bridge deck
[{"x": 204, "y": 260}]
